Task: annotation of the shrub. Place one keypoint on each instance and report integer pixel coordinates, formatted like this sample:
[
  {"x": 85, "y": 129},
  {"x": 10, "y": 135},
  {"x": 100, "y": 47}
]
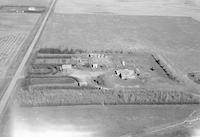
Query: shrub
[
  {"x": 50, "y": 51},
  {"x": 35, "y": 96}
]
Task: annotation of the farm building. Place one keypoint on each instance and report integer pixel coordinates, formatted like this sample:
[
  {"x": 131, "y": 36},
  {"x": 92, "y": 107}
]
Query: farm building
[
  {"x": 123, "y": 63},
  {"x": 125, "y": 74},
  {"x": 94, "y": 66},
  {"x": 97, "y": 55},
  {"x": 91, "y": 55},
  {"x": 66, "y": 67},
  {"x": 32, "y": 9},
  {"x": 99, "y": 60},
  {"x": 82, "y": 83},
  {"x": 137, "y": 71},
  {"x": 82, "y": 61}
]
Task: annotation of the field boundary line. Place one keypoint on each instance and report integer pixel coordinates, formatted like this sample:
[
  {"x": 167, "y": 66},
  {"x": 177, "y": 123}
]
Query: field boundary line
[{"x": 13, "y": 82}]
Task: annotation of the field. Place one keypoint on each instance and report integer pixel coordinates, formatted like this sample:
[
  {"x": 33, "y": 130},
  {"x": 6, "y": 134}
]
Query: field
[
  {"x": 14, "y": 30},
  {"x": 17, "y": 22},
  {"x": 93, "y": 121},
  {"x": 9, "y": 46},
  {"x": 15, "y": 34},
  {"x": 25, "y": 2},
  {"x": 186, "y": 61},
  {"x": 130, "y": 7},
  {"x": 74, "y": 94},
  {"x": 155, "y": 33}
]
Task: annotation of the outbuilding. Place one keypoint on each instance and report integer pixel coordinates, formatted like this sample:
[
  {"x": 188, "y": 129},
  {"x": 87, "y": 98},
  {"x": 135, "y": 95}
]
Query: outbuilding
[
  {"x": 95, "y": 66},
  {"x": 123, "y": 63},
  {"x": 66, "y": 67},
  {"x": 82, "y": 83}
]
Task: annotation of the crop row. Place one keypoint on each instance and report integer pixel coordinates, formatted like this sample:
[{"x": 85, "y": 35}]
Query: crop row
[{"x": 9, "y": 45}]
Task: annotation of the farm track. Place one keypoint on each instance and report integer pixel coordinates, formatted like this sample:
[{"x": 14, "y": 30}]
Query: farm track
[
  {"x": 12, "y": 84},
  {"x": 162, "y": 128}
]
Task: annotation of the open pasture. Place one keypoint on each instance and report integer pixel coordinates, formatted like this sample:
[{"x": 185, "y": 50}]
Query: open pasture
[{"x": 114, "y": 32}]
